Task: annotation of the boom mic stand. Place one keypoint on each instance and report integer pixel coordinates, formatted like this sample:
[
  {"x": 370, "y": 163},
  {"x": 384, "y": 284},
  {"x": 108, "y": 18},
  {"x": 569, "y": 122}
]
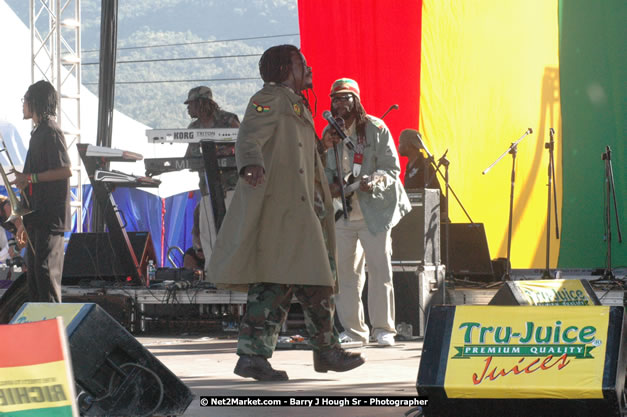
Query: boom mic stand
[
  {"x": 392, "y": 107},
  {"x": 551, "y": 175},
  {"x": 610, "y": 192},
  {"x": 445, "y": 162},
  {"x": 442, "y": 161},
  {"x": 513, "y": 149},
  {"x": 437, "y": 170}
]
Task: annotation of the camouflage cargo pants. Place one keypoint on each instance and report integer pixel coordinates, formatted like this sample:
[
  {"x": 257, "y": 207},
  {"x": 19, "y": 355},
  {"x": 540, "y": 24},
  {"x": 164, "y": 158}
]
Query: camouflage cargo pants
[{"x": 266, "y": 311}]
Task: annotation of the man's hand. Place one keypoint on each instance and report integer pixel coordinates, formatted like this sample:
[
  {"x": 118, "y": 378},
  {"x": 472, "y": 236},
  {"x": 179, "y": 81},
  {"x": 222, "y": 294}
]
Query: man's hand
[
  {"x": 365, "y": 184},
  {"x": 254, "y": 175},
  {"x": 21, "y": 237},
  {"x": 330, "y": 138},
  {"x": 335, "y": 189},
  {"x": 21, "y": 180}
]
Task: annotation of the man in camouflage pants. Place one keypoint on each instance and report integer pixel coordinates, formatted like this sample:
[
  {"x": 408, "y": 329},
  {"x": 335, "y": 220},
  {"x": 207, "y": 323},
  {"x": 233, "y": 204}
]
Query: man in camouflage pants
[
  {"x": 277, "y": 239},
  {"x": 268, "y": 308}
]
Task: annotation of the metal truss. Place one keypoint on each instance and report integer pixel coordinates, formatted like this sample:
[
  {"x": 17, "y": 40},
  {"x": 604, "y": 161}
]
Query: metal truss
[{"x": 55, "y": 29}]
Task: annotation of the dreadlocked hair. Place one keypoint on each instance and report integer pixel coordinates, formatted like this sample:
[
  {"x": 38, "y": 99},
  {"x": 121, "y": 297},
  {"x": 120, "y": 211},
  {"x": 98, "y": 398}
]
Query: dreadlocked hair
[
  {"x": 360, "y": 117},
  {"x": 208, "y": 106},
  {"x": 275, "y": 66},
  {"x": 42, "y": 99},
  {"x": 276, "y": 62}
]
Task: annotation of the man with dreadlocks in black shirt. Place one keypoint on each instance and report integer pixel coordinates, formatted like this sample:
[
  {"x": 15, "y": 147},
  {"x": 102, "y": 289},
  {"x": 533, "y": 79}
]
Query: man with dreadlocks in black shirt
[
  {"x": 46, "y": 183},
  {"x": 277, "y": 239}
]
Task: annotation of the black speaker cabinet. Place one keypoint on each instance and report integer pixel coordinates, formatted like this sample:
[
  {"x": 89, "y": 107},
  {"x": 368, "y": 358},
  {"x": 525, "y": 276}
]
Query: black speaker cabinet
[
  {"x": 406, "y": 300},
  {"x": 495, "y": 361},
  {"x": 468, "y": 251},
  {"x": 13, "y": 298},
  {"x": 111, "y": 365},
  {"x": 416, "y": 238},
  {"x": 546, "y": 292},
  {"x": 91, "y": 256}
]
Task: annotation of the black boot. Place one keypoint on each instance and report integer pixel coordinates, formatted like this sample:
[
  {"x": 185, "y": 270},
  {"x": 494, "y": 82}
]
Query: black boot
[
  {"x": 258, "y": 367},
  {"x": 337, "y": 359}
]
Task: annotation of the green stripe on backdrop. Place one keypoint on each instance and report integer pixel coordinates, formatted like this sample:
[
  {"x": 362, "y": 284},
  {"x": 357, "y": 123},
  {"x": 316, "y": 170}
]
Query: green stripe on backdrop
[
  {"x": 41, "y": 412},
  {"x": 593, "y": 74}
]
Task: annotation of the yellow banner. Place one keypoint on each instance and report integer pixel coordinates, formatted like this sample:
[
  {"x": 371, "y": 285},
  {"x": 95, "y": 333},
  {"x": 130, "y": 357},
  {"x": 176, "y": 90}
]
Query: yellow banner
[
  {"x": 555, "y": 292},
  {"x": 35, "y": 386},
  {"x": 490, "y": 70},
  {"x": 527, "y": 352}
]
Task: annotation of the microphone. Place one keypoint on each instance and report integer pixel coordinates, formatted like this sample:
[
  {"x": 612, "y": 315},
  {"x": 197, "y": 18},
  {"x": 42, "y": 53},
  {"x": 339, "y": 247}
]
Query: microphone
[
  {"x": 529, "y": 131},
  {"x": 423, "y": 146},
  {"x": 333, "y": 123}
]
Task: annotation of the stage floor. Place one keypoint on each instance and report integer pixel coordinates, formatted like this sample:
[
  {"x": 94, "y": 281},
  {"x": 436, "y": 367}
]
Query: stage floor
[{"x": 205, "y": 364}]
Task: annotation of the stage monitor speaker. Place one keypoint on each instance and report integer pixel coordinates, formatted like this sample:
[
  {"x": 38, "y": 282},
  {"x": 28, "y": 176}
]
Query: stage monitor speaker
[
  {"x": 116, "y": 373},
  {"x": 13, "y": 298},
  {"x": 468, "y": 251},
  {"x": 548, "y": 292},
  {"x": 494, "y": 361},
  {"x": 416, "y": 237},
  {"x": 91, "y": 256}
]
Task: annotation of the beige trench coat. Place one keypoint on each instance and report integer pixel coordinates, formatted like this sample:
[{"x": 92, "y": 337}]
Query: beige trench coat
[{"x": 271, "y": 232}]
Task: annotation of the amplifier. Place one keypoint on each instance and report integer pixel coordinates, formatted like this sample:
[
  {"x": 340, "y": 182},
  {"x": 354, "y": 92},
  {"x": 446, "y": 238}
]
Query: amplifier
[
  {"x": 416, "y": 238},
  {"x": 175, "y": 274},
  {"x": 91, "y": 256},
  {"x": 468, "y": 251}
]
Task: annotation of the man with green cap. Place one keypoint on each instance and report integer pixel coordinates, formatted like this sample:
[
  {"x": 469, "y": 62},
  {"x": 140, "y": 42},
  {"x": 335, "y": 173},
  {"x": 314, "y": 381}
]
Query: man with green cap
[
  {"x": 206, "y": 114},
  {"x": 377, "y": 204}
]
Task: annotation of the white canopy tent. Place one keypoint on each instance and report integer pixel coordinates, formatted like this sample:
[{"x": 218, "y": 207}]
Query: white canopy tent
[{"x": 128, "y": 134}]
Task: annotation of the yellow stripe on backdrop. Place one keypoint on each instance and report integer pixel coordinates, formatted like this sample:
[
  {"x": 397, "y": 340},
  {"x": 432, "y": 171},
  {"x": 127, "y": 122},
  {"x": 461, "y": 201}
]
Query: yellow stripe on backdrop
[{"x": 489, "y": 71}]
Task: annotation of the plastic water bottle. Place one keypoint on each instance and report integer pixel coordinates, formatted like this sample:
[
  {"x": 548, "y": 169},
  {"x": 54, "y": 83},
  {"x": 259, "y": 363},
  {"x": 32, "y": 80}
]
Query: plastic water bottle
[{"x": 151, "y": 272}]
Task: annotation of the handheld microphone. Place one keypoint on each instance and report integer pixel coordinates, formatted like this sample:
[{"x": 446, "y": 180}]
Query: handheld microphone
[{"x": 333, "y": 123}]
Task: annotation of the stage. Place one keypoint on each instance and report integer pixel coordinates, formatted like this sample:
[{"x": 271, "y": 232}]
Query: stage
[
  {"x": 139, "y": 308},
  {"x": 203, "y": 356},
  {"x": 205, "y": 364}
]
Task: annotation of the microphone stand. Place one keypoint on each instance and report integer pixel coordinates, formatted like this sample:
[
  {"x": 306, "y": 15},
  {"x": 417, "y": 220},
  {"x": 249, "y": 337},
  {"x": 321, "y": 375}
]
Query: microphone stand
[
  {"x": 610, "y": 193},
  {"x": 513, "y": 149},
  {"x": 551, "y": 175},
  {"x": 392, "y": 107},
  {"x": 448, "y": 186},
  {"x": 341, "y": 181},
  {"x": 445, "y": 162}
]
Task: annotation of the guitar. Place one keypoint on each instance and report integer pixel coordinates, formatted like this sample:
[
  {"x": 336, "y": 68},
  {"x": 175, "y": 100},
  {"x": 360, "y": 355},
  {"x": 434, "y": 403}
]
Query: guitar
[{"x": 352, "y": 184}]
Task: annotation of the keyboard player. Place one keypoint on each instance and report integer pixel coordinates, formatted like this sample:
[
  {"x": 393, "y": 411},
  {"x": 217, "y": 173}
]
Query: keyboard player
[{"x": 206, "y": 113}]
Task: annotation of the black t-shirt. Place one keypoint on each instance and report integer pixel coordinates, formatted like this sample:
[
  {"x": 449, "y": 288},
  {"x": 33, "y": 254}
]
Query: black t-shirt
[
  {"x": 50, "y": 201},
  {"x": 415, "y": 174}
]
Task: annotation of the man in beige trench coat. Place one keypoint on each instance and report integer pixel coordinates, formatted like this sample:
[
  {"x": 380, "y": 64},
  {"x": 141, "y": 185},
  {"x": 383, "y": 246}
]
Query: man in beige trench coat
[{"x": 277, "y": 239}]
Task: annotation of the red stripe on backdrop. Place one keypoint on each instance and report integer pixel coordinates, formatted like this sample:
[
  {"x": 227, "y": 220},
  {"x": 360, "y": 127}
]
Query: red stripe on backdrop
[
  {"x": 374, "y": 42},
  {"x": 30, "y": 344}
]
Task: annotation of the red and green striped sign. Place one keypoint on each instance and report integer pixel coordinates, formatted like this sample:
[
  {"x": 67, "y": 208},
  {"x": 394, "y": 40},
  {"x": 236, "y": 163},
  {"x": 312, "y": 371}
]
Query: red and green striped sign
[{"x": 35, "y": 371}]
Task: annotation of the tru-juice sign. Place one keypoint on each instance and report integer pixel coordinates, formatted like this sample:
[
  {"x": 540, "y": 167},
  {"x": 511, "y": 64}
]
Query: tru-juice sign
[{"x": 527, "y": 352}]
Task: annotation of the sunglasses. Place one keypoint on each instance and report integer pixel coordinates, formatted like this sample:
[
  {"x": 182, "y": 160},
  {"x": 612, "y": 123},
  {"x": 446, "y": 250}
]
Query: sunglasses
[{"x": 347, "y": 97}]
